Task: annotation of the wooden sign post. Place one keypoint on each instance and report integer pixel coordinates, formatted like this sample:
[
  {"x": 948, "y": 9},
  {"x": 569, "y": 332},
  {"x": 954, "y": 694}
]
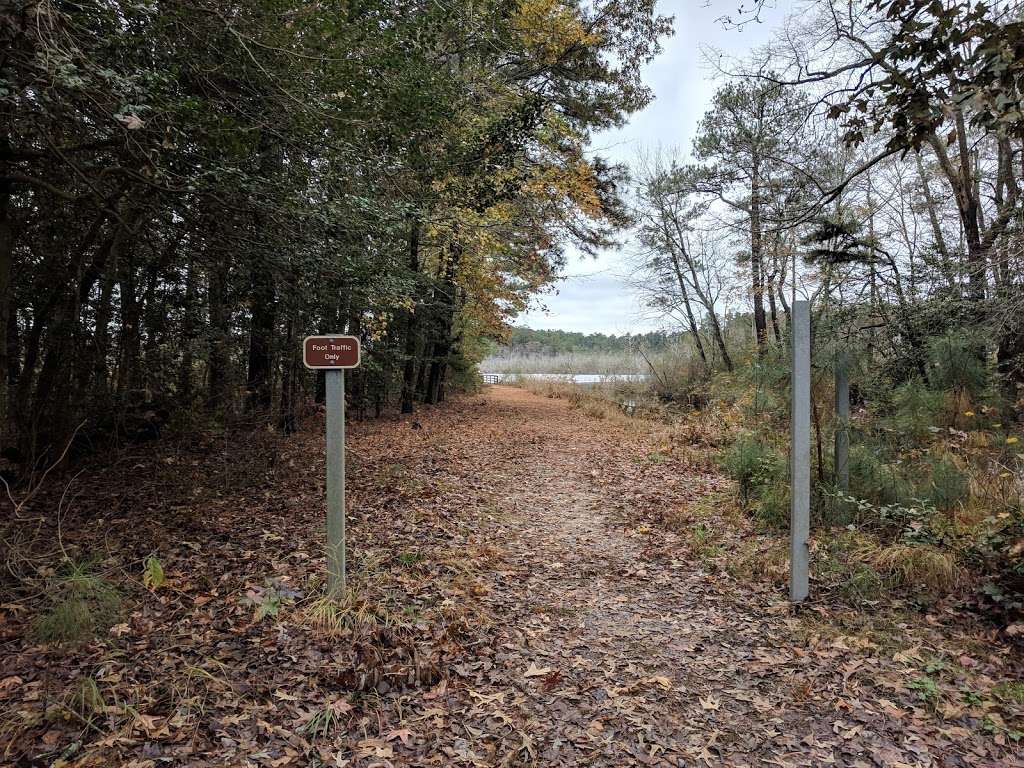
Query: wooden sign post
[{"x": 332, "y": 355}]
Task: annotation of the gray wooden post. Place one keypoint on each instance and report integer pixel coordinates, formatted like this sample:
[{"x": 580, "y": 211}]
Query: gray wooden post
[
  {"x": 335, "y": 382},
  {"x": 800, "y": 471},
  {"x": 842, "y": 452}
]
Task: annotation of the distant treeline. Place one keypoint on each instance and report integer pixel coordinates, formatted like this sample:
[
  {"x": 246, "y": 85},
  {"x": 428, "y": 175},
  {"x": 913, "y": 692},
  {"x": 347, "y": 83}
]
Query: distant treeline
[{"x": 527, "y": 341}]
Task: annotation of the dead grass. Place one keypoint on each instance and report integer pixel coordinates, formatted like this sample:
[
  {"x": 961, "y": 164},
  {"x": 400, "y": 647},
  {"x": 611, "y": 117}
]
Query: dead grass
[
  {"x": 919, "y": 565},
  {"x": 759, "y": 558},
  {"x": 362, "y": 608},
  {"x": 853, "y": 564},
  {"x": 596, "y": 402}
]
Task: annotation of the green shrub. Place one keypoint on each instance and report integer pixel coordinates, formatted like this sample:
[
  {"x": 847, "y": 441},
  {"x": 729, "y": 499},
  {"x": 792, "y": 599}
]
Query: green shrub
[
  {"x": 862, "y": 585},
  {"x": 768, "y": 379},
  {"x": 874, "y": 480},
  {"x": 85, "y": 699},
  {"x": 1010, "y": 690},
  {"x": 772, "y": 509},
  {"x": 751, "y": 463},
  {"x": 944, "y": 486},
  {"x": 916, "y": 409},
  {"x": 956, "y": 363}
]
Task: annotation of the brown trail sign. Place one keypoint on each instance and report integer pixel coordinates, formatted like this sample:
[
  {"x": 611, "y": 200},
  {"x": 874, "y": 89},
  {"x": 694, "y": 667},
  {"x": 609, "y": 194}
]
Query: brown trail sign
[
  {"x": 332, "y": 355},
  {"x": 326, "y": 352}
]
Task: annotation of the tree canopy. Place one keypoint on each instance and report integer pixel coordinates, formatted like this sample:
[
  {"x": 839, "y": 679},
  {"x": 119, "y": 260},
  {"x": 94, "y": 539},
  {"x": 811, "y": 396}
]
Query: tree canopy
[{"x": 187, "y": 189}]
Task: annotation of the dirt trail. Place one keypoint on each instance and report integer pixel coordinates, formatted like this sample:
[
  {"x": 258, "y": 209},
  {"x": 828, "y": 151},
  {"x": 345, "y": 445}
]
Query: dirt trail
[
  {"x": 530, "y": 586},
  {"x": 616, "y": 648}
]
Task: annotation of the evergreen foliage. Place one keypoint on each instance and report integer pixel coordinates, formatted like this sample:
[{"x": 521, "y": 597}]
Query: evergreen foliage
[{"x": 187, "y": 190}]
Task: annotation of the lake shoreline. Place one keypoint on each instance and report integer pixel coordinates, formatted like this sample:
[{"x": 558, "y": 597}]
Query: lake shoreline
[{"x": 496, "y": 377}]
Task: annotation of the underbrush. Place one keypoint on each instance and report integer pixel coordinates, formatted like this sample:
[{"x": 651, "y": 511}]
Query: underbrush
[
  {"x": 683, "y": 430},
  {"x": 599, "y": 401},
  {"x": 934, "y": 489},
  {"x": 933, "y": 506}
]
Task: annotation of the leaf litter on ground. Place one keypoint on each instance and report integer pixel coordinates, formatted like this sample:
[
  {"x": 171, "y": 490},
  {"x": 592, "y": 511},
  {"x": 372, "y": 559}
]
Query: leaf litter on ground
[{"x": 523, "y": 591}]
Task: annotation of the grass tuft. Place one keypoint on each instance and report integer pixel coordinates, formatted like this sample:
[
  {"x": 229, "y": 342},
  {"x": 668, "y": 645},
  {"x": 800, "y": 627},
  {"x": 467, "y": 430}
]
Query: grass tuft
[
  {"x": 1012, "y": 691},
  {"x": 919, "y": 565},
  {"x": 81, "y": 604},
  {"x": 86, "y": 700}
]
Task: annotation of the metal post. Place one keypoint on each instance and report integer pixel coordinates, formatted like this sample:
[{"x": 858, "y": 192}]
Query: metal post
[
  {"x": 800, "y": 491},
  {"x": 335, "y": 381},
  {"x": 842, "y": 455}
]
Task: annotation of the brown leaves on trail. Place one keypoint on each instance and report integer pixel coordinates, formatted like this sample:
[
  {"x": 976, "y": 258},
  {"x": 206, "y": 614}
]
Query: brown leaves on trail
[{"x": 529, "y": 586}]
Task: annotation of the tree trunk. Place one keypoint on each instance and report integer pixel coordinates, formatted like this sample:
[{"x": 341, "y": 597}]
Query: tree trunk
[
  {"x": 357, "y": 379},
  {"x": 6, "y": 297},
  {"x": 13, "y": 351},
  {"x": 129, "y": 342},
  {"x": 261, "y": 334},
  {"x": 780, "y": 285},
  {"x": 411, "y": 332},
  {"x": 945, "y": 264},
  {"x": 691, "y": 320},
  {"x": 1010, "y": 345},
  {"x": 189, "y": 326},
  {"x": 44, "y": 315},
  {"x": 962, "y": 184},
  {"x": 99, "y": 379},
  {"x": 290, "y": 376},
  {"x": 218, "y": 375},
  {"x": 756, "y": 271},
  {"x": 770, "y": 291},
  {"x": 443, "y": 341}
]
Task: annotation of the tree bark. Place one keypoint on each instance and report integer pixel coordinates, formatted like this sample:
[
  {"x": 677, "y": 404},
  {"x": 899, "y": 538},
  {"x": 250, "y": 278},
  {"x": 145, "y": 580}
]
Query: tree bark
[
  {"x": 945, "y": 263},
  {"x": 691, "y": 320},
  {"x": 6, "y": 297},
  {"x": 962, "y": 184},
  {"x": 443, "y": 341},
  {"x": 756, "y": 271},
  {"x": 770, "y": 291},
  {"x": 290, "y": 376},
  {"x": 217, "y": 371},
  {"x": 189, "y": 325},
  {"x": 261, "y": 332},
  {"x": 411, "y": 331}
]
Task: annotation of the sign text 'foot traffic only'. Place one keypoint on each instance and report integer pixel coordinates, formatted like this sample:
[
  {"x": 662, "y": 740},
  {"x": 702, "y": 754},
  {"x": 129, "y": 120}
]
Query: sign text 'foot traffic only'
[{"x": 322, "y": 352}]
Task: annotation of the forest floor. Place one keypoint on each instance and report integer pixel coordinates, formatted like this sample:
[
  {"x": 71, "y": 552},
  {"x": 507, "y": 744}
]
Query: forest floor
[{"x": 526, "y": 589}]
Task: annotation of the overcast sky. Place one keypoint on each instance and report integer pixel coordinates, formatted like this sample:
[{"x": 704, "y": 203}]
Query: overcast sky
[{"x": 596, "y": 295}]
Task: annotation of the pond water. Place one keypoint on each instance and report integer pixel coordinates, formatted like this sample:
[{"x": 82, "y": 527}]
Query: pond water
[{"x": 575, "y": 378}]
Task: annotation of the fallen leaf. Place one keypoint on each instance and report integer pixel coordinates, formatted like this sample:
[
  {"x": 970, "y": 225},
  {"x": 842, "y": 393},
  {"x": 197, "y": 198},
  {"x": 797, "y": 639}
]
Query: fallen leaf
[
  {"x": 710, "y": 704},
  {"x": 535, "y": 671}
]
